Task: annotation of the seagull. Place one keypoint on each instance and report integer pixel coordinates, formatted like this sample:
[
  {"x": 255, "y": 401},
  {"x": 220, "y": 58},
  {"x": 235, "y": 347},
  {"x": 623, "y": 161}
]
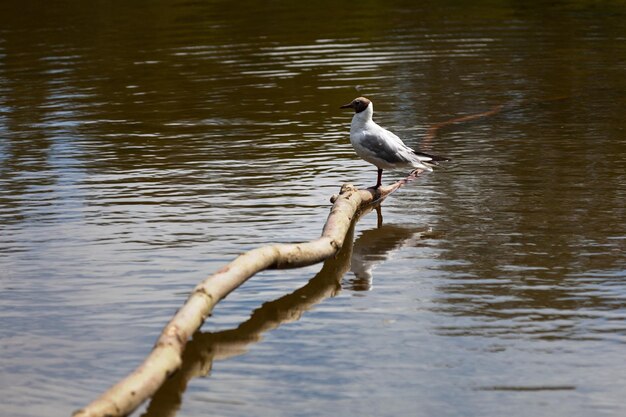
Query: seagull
[{"x": 380, "y": 147}]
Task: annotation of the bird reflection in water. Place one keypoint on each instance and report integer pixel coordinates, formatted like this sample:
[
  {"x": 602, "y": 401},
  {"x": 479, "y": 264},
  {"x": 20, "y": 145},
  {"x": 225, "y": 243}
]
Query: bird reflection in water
[
  {"x": 372, "y": 247},
  {"x": 375, "y": 246}
]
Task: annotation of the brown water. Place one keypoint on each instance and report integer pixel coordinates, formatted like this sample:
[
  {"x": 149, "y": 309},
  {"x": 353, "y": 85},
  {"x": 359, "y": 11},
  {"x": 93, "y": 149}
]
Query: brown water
[{"x": 145, "y": 144}]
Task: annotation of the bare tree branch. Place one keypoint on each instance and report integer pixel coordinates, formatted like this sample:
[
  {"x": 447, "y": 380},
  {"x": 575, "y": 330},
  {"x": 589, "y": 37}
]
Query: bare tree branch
[{"x": 166, "y": 356}]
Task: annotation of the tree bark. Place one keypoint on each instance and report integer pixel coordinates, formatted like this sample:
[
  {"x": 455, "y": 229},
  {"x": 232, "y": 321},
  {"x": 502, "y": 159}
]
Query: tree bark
[{"x": 165, "y": 358}]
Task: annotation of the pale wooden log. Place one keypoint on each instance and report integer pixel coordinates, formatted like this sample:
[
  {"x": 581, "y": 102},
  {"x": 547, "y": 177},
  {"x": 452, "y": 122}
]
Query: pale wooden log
[
  {"x": 125, "y": 396},
  {"x": 206, "y": 347}
]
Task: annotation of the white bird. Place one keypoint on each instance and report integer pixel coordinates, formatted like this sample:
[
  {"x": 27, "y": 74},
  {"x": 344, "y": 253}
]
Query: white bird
[{"x": 380, "y": 147}]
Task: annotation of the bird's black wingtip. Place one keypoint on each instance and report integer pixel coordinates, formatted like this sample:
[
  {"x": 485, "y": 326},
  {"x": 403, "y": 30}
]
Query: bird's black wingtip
[{"x": 434, "y": 158}]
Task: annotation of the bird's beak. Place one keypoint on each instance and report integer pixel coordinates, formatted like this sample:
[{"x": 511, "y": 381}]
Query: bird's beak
[{"x": 347, "y": 106}]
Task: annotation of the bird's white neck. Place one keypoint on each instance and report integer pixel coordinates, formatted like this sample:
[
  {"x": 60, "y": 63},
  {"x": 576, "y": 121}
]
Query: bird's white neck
[{"x": 364, "y": 117}]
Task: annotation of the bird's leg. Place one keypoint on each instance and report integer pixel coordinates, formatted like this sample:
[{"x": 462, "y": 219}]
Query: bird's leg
[{"x": 380, "y": 178}]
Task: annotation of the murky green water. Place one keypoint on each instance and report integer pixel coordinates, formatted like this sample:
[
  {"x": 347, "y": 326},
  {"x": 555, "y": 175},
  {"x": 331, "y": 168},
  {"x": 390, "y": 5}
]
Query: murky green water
[{"x": 145, "y": 144}]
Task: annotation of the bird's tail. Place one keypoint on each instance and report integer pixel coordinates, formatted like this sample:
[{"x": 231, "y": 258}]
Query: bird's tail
[{"x": 430, "y": 160}]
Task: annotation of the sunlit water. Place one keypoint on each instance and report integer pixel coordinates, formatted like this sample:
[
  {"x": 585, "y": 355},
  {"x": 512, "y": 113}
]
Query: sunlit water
[{"x": 144, "y": 146}]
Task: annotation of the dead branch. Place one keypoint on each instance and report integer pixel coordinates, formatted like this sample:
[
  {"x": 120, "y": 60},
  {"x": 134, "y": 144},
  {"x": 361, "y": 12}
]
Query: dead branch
[
  {"x": 165, "y": 358},
  {"x": 432, "y": 131},
  {"x": 206, "y": 347}
]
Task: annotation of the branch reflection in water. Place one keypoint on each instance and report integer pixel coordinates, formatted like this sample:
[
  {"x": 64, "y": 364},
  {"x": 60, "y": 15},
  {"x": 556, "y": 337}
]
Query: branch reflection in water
[
  {"x": 375, "y": 246},
  {"x": 372, "y": 247}
]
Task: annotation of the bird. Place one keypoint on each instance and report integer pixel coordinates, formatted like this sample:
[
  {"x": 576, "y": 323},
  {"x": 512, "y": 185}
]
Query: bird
[{"x": 380, "y": 147}]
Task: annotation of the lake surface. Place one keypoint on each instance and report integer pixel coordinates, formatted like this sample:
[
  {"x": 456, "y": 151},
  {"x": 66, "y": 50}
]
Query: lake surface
[{"x": 143, "y": 145}]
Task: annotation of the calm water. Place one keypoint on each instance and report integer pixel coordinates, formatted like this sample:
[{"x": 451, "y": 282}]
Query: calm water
[{"x": 145, "y": 144}]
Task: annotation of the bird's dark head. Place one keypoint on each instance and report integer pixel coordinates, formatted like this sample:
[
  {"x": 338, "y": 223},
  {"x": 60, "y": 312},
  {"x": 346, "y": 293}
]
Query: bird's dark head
[{"x": 358, "y": 104}]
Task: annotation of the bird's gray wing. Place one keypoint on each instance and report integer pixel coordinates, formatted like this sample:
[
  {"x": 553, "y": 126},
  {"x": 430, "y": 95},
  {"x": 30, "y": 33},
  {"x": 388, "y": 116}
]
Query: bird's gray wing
[{"x": 386, "y": 147}]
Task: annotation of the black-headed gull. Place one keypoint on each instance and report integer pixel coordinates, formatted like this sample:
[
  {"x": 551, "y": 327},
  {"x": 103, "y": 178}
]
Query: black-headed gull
[{"x": 380, "y": 147}]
